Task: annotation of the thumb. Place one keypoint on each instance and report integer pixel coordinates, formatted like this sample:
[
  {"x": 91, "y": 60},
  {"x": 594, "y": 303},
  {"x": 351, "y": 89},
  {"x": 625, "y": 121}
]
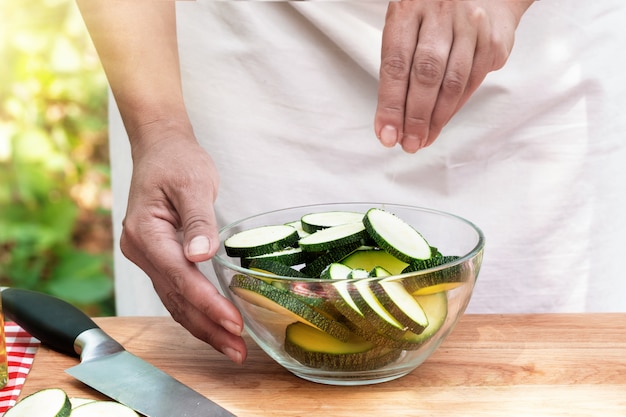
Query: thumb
[{"x": 200, "y": 236}]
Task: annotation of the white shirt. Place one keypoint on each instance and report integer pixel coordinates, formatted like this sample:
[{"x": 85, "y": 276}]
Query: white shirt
[{"x": 282, "y": 95}]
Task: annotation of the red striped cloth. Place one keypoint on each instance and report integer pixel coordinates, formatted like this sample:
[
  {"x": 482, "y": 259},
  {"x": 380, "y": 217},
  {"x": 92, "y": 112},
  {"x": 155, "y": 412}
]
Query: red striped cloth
[{"x": 21, "y": 348}]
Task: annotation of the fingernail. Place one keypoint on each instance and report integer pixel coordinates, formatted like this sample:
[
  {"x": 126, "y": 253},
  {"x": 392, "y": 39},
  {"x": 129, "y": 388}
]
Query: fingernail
[
  {"x": 411, "y": 143},
  {"x": 233, "y": 355},
  {"x": 388, "y": 136},
  {"x": 199, "y": 245},
  {"x": 232, "y": 327}
]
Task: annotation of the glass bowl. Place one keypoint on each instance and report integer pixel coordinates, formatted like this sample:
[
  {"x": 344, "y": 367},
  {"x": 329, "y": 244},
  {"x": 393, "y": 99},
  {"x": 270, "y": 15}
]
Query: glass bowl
[{"x": 359, "y": 328}]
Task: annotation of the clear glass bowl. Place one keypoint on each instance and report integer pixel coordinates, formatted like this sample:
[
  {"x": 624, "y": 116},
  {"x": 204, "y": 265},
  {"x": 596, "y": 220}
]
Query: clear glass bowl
[{"x": 450, "y": 234}]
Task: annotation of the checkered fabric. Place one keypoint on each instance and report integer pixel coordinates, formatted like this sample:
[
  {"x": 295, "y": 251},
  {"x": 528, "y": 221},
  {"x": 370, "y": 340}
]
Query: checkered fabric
[{"x": 21, "y": 348}]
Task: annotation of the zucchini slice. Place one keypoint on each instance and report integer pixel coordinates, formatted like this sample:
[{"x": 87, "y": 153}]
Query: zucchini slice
[
  {"x": 362, "y": 325},
  {"x": 396, "y": 236},
  {"x": 369, "y": 258},
  {"x": 297, "y": 224},
  {"x": 289, "y": 256},
  {"x": 379, "y": 271},
  {"x": 401, "y": 304},
  {"x": 357, "y": 273},
  {"x": 333, "y": 237},
  {"x": 316, "y": 221},
  {"x": 435, "y": 307},
  {"x": 103, "y": 409},
  {"x": 49, "y": 402},
  {"x": 258, "y": 292},
  {"x": 317, "y": 349},
  {"x": 336, "y": 270},
  {"x": 437, "y": 281},
  {"x": 273, "y": 267},
  {"x": 261, "y": 240},
  {"x": 374, "y": 311},
  {"x": 315, "y": 267},
  {"x": 78, "y": 401}
]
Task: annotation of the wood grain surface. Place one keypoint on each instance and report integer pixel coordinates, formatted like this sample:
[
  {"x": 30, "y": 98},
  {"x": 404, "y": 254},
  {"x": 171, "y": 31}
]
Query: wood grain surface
[{"x": 491, "y": 365}]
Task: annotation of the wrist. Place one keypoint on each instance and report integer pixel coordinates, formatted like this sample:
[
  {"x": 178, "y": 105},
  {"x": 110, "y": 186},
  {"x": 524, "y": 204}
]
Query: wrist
[{"x": 152, "y": 132}]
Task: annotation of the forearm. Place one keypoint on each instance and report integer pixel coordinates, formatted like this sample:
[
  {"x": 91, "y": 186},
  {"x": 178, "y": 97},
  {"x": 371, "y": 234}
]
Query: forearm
[{"x": 136, "y": 42}]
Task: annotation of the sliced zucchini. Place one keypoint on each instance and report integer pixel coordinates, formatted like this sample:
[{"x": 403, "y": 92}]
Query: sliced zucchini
[
  {"x": 262, "y": 294},
  {"x": 289, "y": 256},
  {"x": 316, "y": 221},
  {"x": 261, "y": 240},
  {"x": 273, "y": 267},
  {"x": 333, "y": 237},
  {"x": 435, "y": 307},
  {"x": 336, "y": 270},
  {"x": 315, "y": 267},
  {"x": 78, "y": 401},
  {"x": 317, "y": 349},
  {"x": 374, "y": 311},
  {"x": 307, "y": 292},
  {"x": 313, "y": 339},
  {"x": 396, "y": 236},
  {"x": 363, "y": 326},
  {"x": 103, "y": 409},
  {"x": 357, "y": 273},
  {"x": 369, "y": 258},
  {"x": 49, "y": 402},
  {"x": 437, "y": 281},
  {"x": 344, "y": 302},
  {"x": 379, "y": 271},
  {"x": 298, "y": 226},
  {"x": 401, "y": 304}
]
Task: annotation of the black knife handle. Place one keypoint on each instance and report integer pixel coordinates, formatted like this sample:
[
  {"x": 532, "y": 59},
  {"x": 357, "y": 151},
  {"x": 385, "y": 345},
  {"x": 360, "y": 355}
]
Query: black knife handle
[{"x": 53, "y": 321}]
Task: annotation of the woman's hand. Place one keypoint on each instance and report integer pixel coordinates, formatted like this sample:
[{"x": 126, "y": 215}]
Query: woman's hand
[
  {"x": 435, "y": 54},
  {"x": 170, "y": 224}
]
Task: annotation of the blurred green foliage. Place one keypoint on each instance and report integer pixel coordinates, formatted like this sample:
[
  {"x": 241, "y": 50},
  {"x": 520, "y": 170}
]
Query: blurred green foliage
[{"x": 55, "y": 232}]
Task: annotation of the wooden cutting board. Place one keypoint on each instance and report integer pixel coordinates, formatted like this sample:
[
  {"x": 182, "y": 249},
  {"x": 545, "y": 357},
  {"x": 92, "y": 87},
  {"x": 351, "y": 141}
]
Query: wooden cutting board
[{"x": 491, "y": 365}]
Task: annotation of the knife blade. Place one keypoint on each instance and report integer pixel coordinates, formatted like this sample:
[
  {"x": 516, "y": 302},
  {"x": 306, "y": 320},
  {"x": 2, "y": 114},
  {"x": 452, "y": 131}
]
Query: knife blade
[{"x": 105, "y": 365}]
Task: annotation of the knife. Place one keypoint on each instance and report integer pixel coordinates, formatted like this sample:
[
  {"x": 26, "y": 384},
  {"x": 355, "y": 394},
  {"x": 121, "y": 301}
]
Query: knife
[{"x": 104, "y": 363}]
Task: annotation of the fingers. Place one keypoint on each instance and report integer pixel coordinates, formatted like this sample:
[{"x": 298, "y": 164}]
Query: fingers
[
  {"x": 398, "y": 46},
  {"x": 200, "y": 231},
  {"x": 186, "y": 293},
  {"x": 425, "y": 84},
  {"x": 170, "y": 224},
  {"x": 434, "y": 55},
  {"x": 454, "y": 88}
]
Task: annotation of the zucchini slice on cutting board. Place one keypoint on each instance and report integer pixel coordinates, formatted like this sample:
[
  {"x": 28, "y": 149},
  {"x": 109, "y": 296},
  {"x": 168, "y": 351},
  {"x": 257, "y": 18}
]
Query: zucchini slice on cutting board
[{"x": 49, "y": 402}]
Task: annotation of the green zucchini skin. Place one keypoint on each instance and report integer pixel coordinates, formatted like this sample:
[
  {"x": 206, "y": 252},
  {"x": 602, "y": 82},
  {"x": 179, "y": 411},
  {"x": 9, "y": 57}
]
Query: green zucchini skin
[
  {"x": 336, "y": 270},
  {"x": 305, "y": 345},
  {"x": 289, "y": 256},
  {"x": 262, "y": 294},
  {"x": 333, "y": 237},
  {"x": 274, "y": 267},
  {"x": 448, "y": 278},
  {"x": 396, "y": 236},
  {"x": 313, "y": 222},
  {"x": 48, "y": 402},
  {"x": 399, "y": 307},
  {"x": 315, "y": 267},
  {"x": 261, "y": 240}
]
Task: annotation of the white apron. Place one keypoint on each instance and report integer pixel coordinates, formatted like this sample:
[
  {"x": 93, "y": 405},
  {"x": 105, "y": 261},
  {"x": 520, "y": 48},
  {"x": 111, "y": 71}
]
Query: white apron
[{"x": 283, "y": 94}]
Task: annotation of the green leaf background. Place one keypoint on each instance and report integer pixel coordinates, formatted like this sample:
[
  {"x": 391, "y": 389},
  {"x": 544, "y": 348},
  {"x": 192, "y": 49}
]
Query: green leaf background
[{"x": 55, "y": 231}]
